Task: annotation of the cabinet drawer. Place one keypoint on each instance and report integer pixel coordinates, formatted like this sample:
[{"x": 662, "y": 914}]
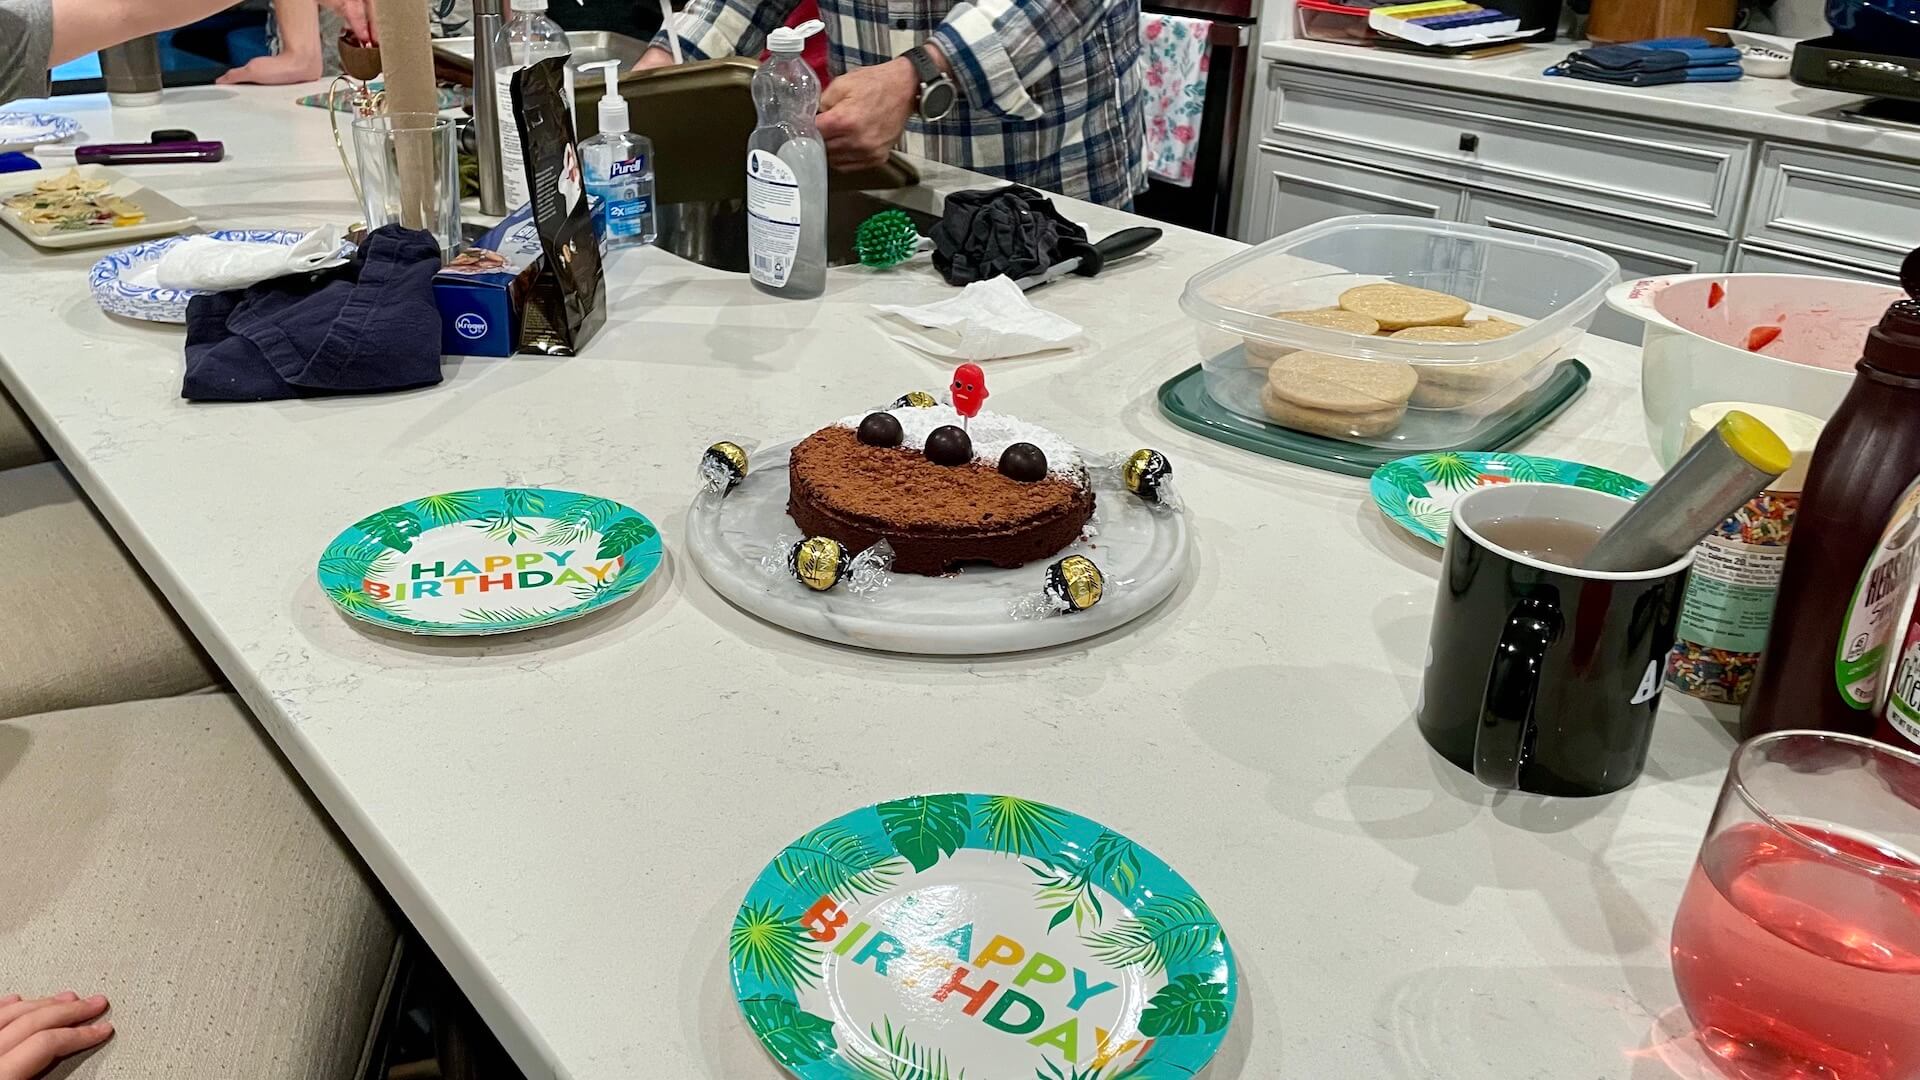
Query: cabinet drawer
[
  {"x": 1299, "y": 189},
  {"x": 1760, "y": 259},
  {"x": 1860, "y": 209},
  {"x": 1642, "y": 249},
  {"x": 1694, "y": 179}
]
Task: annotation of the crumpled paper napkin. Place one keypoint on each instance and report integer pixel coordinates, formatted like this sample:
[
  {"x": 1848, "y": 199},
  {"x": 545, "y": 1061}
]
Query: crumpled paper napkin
[
  {"x": 209, "y": 265},
  {"x": 988, "y": 320}
]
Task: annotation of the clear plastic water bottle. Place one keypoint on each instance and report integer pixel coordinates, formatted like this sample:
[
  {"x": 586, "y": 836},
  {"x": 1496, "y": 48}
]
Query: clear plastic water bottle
[
  {"x": 619, "y": 167},
  {"x": 787, "y": 173},
  {"x": 526, "y": 39}
]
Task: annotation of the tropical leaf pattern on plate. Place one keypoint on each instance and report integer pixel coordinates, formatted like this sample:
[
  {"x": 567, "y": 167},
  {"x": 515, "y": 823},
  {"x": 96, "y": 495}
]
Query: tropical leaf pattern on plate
[
  {"x": 450, "y": 507},
  {"x": 357, "y": 561},
  {"x": 394, "y": 527},
  {"x": 1523, "y": 469},
  {"x": 1449, "y": 470},
  {"x": 926, "y": 828},
  {"x": 794, "y": 1036},
  {"x": 1187, "y": 1005},
  {"x": 1111, "y": 862},
  {"x": 836, "y": 861},
  {"x": 623, "y": 536},
  {"x": 573, "y": 521},
  {"x": 1165, "y": 930},
  {"x": 509, "y": 617},
  {"x": 1020, "y": 826},
  {"x": 1597, "y": 479},
  {"x": 1429, "y": 517},
  {"x": 1403, "y": 476},
  {"x": 772, "y": 947},
  {"x": 903, "y": 1058}
]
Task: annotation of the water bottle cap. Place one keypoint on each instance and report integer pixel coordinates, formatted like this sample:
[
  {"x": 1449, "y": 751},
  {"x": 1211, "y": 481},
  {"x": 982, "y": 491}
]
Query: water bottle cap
[{"x": 792, "y": 39}]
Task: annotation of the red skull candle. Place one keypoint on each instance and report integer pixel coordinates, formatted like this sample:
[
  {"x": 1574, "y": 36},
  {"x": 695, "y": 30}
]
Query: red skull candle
[{"x": 969, "y": 390}]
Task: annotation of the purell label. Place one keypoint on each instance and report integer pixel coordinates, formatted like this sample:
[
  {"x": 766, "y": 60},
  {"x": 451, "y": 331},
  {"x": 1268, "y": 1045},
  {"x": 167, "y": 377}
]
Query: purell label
[
  {"x": 632, "y": 209},
  {"x": 633, "y": 166}
]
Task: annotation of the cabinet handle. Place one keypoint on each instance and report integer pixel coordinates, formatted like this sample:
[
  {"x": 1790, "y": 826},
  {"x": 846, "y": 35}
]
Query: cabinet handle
[{"x": 1469, "y": 142}]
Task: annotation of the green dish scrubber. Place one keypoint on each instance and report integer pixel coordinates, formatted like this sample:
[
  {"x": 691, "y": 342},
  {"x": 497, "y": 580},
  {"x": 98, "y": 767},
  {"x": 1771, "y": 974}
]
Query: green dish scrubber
[{"x": 886, "y": 239}]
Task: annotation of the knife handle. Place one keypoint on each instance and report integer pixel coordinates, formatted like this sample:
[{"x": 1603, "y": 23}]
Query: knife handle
[{"x": 1117, "y": 246}]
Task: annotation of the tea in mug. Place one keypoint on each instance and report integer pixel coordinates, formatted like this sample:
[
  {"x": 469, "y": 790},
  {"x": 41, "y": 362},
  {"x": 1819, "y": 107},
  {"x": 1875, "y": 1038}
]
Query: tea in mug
[{"x": 1554, "y": 540}]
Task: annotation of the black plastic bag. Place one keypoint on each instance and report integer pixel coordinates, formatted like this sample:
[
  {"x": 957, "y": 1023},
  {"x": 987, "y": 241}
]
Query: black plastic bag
[{"x": 1012, "y": 230}]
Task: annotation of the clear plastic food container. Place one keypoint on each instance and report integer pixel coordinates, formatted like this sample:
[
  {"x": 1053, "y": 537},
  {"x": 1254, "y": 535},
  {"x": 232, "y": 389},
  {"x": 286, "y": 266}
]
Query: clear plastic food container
[
  {"x": 1480, "y": 317},
  {"x": 1328, "y": 20}
]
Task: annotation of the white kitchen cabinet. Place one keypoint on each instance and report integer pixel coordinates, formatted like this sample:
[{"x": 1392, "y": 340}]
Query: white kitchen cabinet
[
  {"x": 1861, "y": 210},
  {"x": 1299, "y": 189},
  {"x": 1642, "y": 249},
  {"x": 1692, "y": 179},
  {"x": 1753, "y": 258}
]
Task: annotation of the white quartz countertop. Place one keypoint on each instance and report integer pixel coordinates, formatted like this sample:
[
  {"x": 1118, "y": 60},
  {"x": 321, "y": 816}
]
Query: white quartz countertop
[
  {"x": 571, "y": 817},
  {"x": 1769, "y": 108}
]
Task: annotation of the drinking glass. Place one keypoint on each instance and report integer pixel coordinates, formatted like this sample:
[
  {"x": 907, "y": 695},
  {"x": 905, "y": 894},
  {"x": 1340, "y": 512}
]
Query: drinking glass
[
  {"x": 1796, "y": 949},
  {"x": 409, "y": 174}
]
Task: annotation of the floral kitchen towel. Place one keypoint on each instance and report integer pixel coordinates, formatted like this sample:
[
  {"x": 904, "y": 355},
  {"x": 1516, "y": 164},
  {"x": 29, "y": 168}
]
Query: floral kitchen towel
[{"x": 1176, "y": 53}]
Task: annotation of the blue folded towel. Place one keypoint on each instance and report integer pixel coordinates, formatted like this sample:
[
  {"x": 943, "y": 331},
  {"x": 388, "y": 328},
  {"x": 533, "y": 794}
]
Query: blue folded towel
[{"x": 1660, "y": 62}]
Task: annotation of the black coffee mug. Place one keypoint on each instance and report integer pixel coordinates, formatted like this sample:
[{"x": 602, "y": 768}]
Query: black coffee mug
[{"x": 1545, "y": 678}]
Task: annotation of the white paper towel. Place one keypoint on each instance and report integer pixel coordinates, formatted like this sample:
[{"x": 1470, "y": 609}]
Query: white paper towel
[
  {"x": 988, "y": 320},
  {"x": 209, "y": 265}
]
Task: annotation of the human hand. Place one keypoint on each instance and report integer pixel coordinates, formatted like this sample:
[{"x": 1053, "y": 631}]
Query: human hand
[
  {"x": 358, "y": 15},
  {"x": 654, "y": 57},
  {"x": 36, "y": 1033},
  {"x": 863, "y": 113},
  {"x": 274, "y": 70}
]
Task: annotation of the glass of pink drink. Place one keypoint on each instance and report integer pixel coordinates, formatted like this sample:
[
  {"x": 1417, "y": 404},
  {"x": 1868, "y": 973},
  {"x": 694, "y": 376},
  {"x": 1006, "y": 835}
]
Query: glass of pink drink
[{"x": 1797, "y": 945}]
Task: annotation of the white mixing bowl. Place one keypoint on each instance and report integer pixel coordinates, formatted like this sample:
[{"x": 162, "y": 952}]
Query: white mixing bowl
[{"x": 1695, "y": 350}]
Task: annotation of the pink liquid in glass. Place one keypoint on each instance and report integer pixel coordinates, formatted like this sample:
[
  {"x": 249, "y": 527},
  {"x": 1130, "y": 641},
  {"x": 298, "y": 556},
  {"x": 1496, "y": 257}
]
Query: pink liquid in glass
[{"x": 1793, "y": 964}]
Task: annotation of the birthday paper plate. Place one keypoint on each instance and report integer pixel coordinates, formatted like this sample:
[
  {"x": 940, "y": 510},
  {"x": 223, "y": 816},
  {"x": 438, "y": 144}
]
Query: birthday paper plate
[
  {"x": 489, "y": 561},
  {"x": 943, "y": 936},
  {"x": 32, "y": 128},
  {"x": 1418, "y": 493}
]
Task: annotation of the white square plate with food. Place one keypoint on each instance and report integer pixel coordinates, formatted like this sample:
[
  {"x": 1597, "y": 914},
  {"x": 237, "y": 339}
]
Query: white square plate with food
[{"x": 85, "y": 205}]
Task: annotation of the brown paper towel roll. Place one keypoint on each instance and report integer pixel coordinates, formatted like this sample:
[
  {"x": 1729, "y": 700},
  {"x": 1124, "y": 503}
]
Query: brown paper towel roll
[{"x": 406, "y": 55}]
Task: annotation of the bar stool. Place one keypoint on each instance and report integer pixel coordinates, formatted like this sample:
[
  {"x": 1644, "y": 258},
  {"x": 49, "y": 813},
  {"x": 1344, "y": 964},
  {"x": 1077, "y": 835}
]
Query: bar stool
[
  {"x": 162, "y": 853},
  {"x": 79, "y": 624}
]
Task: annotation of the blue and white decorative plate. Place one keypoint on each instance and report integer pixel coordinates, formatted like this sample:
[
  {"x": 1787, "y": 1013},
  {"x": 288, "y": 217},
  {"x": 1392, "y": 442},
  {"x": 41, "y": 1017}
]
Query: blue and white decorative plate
[
  {"x": 32, "y": 128},
  {"x": 122, "y": 281}
]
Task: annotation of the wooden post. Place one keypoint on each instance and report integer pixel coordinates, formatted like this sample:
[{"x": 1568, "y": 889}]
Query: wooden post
[{"x": 406, "y": 55}]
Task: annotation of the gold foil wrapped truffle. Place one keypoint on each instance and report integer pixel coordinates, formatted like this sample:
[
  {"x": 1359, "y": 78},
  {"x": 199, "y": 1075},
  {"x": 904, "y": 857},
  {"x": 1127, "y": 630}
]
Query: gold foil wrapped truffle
[
  {"x": 914, "y": 399},
  {"x": 1145, "y": 472},
  {"x": 722, "y": 467}
]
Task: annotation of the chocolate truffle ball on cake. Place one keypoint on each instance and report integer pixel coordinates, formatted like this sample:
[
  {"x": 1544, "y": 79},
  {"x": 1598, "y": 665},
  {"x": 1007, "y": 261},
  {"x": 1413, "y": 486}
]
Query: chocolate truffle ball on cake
[{"x": 942, "y": 502}]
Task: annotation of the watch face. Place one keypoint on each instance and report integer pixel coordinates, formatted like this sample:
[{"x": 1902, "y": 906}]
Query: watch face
[{"x": 936, "y": 99}]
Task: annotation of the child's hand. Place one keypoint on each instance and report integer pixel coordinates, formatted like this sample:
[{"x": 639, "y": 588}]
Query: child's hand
[
  {"x": 274, "y": 70},
  {"x": 36, "y": 1033}
]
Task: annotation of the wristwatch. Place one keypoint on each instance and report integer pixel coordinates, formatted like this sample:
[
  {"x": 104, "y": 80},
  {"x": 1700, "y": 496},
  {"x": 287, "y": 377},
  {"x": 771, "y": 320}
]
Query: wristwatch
[{"x": 937, "y": 93}]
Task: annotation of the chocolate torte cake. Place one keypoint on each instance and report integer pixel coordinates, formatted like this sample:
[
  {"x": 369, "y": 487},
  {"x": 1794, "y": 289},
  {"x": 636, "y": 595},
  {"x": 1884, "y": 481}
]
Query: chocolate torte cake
[{"x": 939, "y": 517}]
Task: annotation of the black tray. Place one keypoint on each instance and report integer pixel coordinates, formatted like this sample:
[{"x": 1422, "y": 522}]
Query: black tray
[{"x": 1830, "y": 64}]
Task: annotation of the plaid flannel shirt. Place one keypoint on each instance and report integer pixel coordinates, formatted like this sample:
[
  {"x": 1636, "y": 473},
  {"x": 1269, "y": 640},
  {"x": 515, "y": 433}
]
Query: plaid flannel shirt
[{"x": 1050, "y": 90}]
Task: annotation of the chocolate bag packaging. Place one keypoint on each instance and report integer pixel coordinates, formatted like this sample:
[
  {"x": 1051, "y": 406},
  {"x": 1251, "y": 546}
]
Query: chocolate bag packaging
[{"x": 570, "y": 293}]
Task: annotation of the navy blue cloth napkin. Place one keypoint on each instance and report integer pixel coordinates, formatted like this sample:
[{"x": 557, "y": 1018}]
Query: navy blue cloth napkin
[{"x": 365, "y": 327}]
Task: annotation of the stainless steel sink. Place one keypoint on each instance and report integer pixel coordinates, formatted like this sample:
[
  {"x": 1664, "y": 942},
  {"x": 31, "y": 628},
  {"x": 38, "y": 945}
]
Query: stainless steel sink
[{"x": 715, "y": 233}]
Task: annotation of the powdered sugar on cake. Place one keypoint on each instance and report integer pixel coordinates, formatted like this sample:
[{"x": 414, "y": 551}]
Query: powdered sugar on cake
[{"x": 991, "y": 433}]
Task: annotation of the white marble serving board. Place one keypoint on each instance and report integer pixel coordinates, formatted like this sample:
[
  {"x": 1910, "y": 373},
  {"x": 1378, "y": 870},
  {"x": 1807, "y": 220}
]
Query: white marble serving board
[{"x": 1142, "y": 552}]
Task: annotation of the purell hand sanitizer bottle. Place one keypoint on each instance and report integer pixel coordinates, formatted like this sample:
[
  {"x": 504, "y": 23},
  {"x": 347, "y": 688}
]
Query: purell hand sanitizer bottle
[
  {"x": 619, "y": 167},
  {"x": 787, "y": 173}
]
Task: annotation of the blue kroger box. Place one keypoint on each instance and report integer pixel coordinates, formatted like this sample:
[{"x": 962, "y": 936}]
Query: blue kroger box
[{"x": 482, "y": 290}]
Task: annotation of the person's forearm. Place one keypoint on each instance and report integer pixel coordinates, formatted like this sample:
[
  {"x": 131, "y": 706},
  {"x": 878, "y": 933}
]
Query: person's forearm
[
  {"x": 299, "y": 22},
  {"x": 997, "y": 48},
  {"x": 84, "y": 26}
]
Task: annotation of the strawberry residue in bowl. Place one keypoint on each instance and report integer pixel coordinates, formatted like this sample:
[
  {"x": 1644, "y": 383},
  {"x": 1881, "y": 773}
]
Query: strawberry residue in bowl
[{"x": 1817, "y": 321}]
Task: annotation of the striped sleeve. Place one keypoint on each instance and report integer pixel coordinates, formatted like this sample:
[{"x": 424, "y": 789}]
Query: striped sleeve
[
  {"x": 715, "y": 28},
  {"x": 998, "y": 48}
]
